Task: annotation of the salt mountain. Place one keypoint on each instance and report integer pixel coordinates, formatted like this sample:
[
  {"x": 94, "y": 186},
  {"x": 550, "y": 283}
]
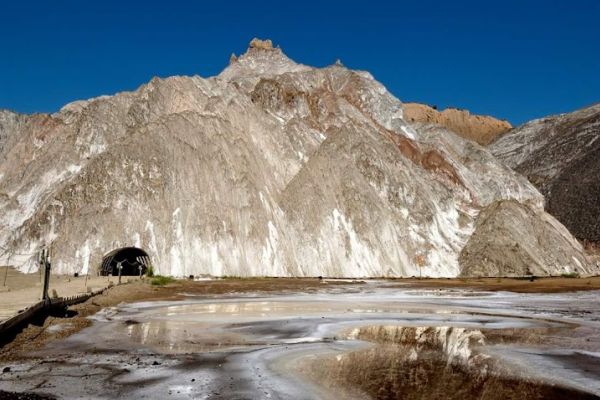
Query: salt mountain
[{"x": 270, "y": 168}]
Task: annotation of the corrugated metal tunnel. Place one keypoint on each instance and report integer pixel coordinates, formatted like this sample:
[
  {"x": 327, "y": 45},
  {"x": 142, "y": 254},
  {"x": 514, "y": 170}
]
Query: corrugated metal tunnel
[{"x": 131, "y": 259}]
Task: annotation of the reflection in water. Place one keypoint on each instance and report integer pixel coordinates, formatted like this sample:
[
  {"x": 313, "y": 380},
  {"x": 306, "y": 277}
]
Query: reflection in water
[
  {"x": 407, "y": 371},
  {"x": 183, "y": 337},
  {"x": 370, "y": 340},
  {"x": 245, "y": 309}
]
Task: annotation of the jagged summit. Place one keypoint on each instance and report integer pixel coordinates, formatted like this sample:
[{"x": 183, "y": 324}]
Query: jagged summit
[
  {"x": 256, "y": 46},
  {"x": 261, "y": 58},
  {"x": 259, "y": 44},
  {"x": 271, "y": 168}
]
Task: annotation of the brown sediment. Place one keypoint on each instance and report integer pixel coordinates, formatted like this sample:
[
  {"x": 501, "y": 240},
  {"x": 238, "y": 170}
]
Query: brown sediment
[{"x": 518, "y": 285}]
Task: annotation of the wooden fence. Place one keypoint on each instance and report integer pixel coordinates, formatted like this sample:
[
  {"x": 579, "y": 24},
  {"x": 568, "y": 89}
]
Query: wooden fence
[{"x": 13, "y": 325}]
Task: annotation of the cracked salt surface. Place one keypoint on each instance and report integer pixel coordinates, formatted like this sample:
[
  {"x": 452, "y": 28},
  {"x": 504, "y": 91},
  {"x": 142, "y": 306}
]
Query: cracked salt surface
[{"x": 249, "y": 346}]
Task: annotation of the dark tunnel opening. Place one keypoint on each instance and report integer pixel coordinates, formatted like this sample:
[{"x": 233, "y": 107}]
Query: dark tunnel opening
[{"x": 131, "y": 260}]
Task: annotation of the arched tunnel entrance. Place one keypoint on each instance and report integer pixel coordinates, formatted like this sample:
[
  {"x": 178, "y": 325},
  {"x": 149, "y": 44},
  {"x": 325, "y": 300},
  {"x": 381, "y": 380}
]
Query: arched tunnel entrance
[{"x": 130, "y": 259}]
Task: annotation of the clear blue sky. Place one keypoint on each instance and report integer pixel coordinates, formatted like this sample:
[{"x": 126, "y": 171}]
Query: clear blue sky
[{"x": 516, "y": 60}]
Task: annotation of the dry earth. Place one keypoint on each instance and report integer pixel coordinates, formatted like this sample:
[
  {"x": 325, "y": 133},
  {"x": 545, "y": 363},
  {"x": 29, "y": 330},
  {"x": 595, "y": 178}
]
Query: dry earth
[{"x": 524, "y": 285}]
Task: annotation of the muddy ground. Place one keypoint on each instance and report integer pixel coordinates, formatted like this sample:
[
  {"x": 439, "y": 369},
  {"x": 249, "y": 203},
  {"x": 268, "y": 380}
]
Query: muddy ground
[
  {"x": 252, "y": 336},
  {"x": 36, "y": 336},
  {"x": 517, "y": 285}
]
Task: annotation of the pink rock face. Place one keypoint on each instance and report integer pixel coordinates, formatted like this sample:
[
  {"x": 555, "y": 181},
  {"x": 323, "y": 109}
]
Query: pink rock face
[{"x": 270, "y": 168}]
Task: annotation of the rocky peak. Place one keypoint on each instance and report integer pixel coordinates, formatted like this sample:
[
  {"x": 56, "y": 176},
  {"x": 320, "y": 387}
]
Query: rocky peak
[
  {"x": 260, "y": 59},
  {"x": 257, "y": 43}
]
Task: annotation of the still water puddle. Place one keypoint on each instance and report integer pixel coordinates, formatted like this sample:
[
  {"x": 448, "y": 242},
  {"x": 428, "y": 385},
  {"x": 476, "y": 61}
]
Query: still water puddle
[{"x": 290, "y": 346}]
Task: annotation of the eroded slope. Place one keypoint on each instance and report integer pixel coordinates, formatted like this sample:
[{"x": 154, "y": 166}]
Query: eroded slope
[{"x": 270, "y": 168}]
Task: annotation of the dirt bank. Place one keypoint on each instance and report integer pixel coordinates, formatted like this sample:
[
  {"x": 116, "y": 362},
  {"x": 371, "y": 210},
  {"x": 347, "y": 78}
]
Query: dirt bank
[{"x": 518, "y": 285}]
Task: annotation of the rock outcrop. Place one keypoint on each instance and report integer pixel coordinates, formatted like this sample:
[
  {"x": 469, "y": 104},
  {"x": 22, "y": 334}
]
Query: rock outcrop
[
  {"x": 479, "y": 128},
  {"x": 261, "y": 44},
  {"x": 270, "y": 168},
  {"x": 514, "y": 240},
  {"x": 560, "y": 156}
]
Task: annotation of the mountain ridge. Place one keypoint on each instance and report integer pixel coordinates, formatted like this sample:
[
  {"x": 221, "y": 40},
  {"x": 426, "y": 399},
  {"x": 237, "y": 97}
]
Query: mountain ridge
[{"x": 269, "y": 168}]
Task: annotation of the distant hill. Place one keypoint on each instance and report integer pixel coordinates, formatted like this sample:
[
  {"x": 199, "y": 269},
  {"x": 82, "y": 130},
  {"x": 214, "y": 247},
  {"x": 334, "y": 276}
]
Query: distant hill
[
  {"x": 479, "y": 128},
  {"x": 560, "y": 155}
]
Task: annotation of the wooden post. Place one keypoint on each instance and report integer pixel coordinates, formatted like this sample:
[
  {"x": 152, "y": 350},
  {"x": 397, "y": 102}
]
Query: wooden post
[
  {"x": 47, "y": 266},
  {"x": 48, "y": 269},
  {"x": 42, "y": 267},
  {"x": 6, "y": 269}
]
